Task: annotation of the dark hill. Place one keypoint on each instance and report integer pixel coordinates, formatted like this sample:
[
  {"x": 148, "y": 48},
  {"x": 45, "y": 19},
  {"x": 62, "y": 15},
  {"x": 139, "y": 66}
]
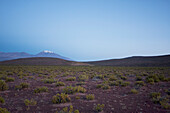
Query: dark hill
[
  {"x": 138, "y": 61},
  {"x": 40, "y": 61}
]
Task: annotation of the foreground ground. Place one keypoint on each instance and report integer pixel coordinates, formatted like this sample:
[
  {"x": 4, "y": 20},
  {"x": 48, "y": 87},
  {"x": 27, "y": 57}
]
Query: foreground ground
[{"x": 116, "y": 89}]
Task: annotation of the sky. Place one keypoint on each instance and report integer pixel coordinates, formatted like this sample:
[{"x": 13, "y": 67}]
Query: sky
[{"x": 86, "y": 30}]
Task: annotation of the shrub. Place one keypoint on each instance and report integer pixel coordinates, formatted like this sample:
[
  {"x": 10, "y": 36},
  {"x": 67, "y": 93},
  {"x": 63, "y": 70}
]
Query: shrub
[
  {"x": 4, "y": 110},
  {"x": 105, "y": 86},
  {"x": 114, "y": 83},
  {"x": 83, "y": 78},
  {"x": 31, "y": 102},
  {"x": 99, "y": 76},
  {"x": 61, "y": 98},
  {"x": 154, "y": 77},
  {"x": 22, "y": 86},
  {"x": 123, "y": 77},
  {"x": 140, "y": 83},
  {"x": 9, "y": 79},
  {"x": 138, "y": 78},
  {"x": 76, "y": 89},
  {"x": 99, "y": 85},
  {"x": 60, "y": 84},
  {"x": 155, "y": 97},
  {"x": 112, "y": 78},
  {"x": 150, "y": 80},
  {"x": 99, "y": 107},
  {"x": 3, "y": 85},
  {"x": 68, "y": 110},
  {"x": 2, "y": 100},
  {"x": 134, "y": 91},
  {"x": 90, "y": 97},
  {"x": 71, "y": 79},
  {"x": 41, "y": 89},
  {"x": 80, "y": 83},
  {"x": 49, "y": 81},
  {"x": 123, "y": 84}
]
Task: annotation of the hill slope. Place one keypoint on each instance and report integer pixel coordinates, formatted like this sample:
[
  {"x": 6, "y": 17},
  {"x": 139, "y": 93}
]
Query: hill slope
[
  {"x": 40, "y": 61},
  {"x": 152, "y": 61}
]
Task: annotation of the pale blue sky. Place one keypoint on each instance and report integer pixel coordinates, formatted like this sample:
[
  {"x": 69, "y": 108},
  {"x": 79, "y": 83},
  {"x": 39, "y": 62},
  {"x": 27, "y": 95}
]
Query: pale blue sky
[{"x": 86, "y": 29}]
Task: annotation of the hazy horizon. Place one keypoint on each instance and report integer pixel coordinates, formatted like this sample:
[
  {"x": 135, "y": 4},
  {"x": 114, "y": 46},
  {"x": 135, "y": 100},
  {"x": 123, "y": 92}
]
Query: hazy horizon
[{"x": 86, "y": 30}]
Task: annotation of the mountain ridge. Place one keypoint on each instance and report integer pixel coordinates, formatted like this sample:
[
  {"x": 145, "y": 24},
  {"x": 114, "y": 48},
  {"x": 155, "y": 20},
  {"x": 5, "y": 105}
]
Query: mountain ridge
[{"x": 16, "y": 55}]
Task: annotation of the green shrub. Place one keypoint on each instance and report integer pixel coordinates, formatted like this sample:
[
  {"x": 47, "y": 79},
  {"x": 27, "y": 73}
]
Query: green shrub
[
  {"x": 123, "y": 84},
  {"x": 61, "y": 98},
  {"x": 140, "y": 83},
  {"x": 80, "y": 83},
  {"x": 68, "y": 110},
  {"x": 105, "y": 87},
  {"x": 123, "y": 77},
  {"x": 2, "y": 100},
  {"x": 99, "y": 85},
  {"x": 112, "y": 78},
  {"x": 90, "y": 97},
  {"x": 71, "y": 79},
  {"x": 41, "y": 89},
  {"x": 4, "y": 110},
  {"x": 150, "y": 80},
  {"x": 31, "y": 102},
  {"x": 60, "y": 84},
  {"x": 99, "y": 107},
  {"x": 83, "y": 78},
  {"x": 76, "y": 89},
  {"x": 49, "y": 81},
  {"x": 155, "y": 97},
  {"x": 154, "y": 77},
  {"x": 138, "y": 78},
  {"x": 99, "y": 76},
  {"x": 9, "y": 79},
  {"x": 22, "y": 86},
  {"x": 114, "y": 83},
  {"x": 134, "y": 91},
  {"x": 3, "y": 85}
]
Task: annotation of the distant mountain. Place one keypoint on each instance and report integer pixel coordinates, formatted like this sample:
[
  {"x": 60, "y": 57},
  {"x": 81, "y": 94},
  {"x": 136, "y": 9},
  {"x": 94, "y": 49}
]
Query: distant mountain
[
  {"x": 136, "y": 61},
  {"x": 47, "y": 53},
  {"x": 16, "y": 55},
  {"x": 42, "y": 61}
]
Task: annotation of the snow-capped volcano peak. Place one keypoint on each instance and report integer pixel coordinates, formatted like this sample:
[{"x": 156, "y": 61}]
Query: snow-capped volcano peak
[{"x": 46, "y": 51}]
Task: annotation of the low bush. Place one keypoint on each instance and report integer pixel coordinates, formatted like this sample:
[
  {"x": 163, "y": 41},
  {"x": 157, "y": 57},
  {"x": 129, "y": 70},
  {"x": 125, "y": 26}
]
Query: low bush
[
  {"x": 123, "y": 84},
  {"x": 123, "y": 77},
  {"x": 150, "y": 77},
  {"x": 3, "y": 85},
  {"x": 112, "y": 78},
  {"x": 138, "y": 78},
  {"x": 98, "y": 107},
  {"x": 49, "y": 81},
  {"x": 9, "y": 79},
  {"x": 60, "y": 84},
  {"x": 61, "y": 98},
  {"x": 2, "y": 100},
  {"x": 31, "y": 102},
  {"x": 76, "y": 89},
  {"x": 114, "y": 83},
  {"x": 4, "y": 110},
  {"x": 83, "y": 78},
  {"x": 155, "y": 97},
  {"x": 68, "y": 110},
  {"x": 134, "y": 91},
  {"x": 22, "y": 86},
  {"x": 140, "y": 83},
  {"x": 41, "y": 89},
  {"x": 90, "y": 97},
  {"x": 71, "y": 79}
]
